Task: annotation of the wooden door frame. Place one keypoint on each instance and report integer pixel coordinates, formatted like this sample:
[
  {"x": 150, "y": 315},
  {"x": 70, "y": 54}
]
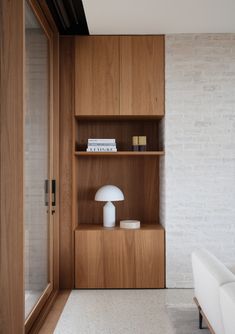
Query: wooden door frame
[
  {"x": 12, "y": 25},
  {"x": 11, "y": 165},
  {"x": 39, "y": 9}
]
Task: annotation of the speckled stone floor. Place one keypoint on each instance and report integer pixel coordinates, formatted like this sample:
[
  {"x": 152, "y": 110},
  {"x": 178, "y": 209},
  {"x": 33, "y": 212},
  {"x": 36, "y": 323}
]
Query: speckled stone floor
[{"x": 128, "y": 311}]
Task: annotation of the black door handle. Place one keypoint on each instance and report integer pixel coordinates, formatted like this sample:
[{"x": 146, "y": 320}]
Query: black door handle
[{"x": 53, "y": 192}]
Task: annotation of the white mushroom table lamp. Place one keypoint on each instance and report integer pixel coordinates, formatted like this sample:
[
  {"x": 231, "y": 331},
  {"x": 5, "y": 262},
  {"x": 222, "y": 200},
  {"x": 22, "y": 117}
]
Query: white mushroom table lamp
[{"x": 109, "y": 194}]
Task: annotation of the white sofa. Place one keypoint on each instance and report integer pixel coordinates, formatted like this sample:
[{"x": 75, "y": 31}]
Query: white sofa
[
  {"x": 212, "y": 295},
  {"x": 227, "y": 302}
]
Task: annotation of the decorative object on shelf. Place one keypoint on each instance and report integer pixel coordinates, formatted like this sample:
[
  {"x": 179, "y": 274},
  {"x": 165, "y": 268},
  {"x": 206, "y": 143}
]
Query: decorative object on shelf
[
  {"x": 109, "y": 194},
  {"x": 139, "y": 143},
  {"x": 130, "y": 224},
  {"x": 101, "y": 145},
  {"x": 142, "y": 143},
  {"x": 135, "y": 143}
]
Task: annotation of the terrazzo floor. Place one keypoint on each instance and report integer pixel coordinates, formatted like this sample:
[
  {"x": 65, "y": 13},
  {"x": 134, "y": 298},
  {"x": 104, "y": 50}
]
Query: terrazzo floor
[{"x": 127, "y": 312}]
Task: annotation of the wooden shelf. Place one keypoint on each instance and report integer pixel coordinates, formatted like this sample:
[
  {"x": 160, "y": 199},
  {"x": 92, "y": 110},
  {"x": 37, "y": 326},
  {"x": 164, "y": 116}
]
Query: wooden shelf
[
  {"x": 118, "y": 117},
  {"x": 120, "y": 153},
  {"x": 100, "y": 227}
]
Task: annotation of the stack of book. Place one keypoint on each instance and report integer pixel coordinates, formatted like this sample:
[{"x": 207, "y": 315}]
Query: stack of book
[{"x": 101, "y": 145}]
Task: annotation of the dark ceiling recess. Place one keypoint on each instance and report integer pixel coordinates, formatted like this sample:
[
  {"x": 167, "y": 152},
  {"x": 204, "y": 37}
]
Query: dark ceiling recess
[{"x": 69, "y": 16}]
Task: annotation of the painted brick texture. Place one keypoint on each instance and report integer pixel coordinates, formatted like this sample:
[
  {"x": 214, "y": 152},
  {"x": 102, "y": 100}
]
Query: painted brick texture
[{"x": 198, "y": 171}]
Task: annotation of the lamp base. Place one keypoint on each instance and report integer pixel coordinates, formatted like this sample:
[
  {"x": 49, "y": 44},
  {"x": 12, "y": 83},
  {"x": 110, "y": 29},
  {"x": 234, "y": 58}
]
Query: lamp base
[{"x": 109, "y": 215}]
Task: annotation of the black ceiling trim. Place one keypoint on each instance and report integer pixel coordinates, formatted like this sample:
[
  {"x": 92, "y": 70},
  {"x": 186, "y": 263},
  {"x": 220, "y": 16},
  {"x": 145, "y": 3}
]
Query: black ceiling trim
[{"x": 69, "y": 16}]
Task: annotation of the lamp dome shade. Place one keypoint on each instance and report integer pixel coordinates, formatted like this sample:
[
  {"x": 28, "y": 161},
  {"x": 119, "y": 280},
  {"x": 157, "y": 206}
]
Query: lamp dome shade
[{"x": 109, "y": 193}]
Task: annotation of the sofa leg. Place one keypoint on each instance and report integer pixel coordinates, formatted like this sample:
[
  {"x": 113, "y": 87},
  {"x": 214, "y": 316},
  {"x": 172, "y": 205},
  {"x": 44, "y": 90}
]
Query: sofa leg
[{"x": 200, "y": 320}]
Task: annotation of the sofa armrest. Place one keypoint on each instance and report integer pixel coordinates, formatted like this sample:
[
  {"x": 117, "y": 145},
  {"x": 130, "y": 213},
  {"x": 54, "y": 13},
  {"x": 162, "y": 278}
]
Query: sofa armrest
[
  {"x": 209, "y": 274},
  {"x": 227, "y": 302}
]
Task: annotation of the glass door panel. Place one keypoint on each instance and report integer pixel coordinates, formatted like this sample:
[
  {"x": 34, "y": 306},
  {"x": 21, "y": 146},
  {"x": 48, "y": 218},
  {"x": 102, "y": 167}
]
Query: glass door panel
[{"x": 36, "y": 162}]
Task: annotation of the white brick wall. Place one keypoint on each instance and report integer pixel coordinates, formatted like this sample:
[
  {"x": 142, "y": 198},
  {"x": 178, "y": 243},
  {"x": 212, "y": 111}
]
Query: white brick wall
[{"x": 198, "y": 171}]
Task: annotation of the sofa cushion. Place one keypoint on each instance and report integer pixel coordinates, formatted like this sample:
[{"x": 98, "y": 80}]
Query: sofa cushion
[
  {"x": 227, "y": 302},
  {"x": 209, "y": 274}
]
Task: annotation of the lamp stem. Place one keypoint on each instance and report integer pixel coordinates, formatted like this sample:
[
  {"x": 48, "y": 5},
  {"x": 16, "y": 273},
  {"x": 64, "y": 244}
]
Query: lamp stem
[{"x": 109, "y": 215}]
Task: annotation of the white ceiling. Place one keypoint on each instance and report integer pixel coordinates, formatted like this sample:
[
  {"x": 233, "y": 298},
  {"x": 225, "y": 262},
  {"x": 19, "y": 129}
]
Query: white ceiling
[{"x": 159, "y": 16}]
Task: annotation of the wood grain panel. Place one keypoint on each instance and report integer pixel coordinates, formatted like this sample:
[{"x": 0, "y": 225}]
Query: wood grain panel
[
  {"x": 119, "y": 153},
  {"x": 119, "y": 259},
  {"x": 97, "y": 75},
  {"x": 95, "y": 227},
  {"x": 89, "y": 259},
  {"x": 149, "y": 256},
  {"x": 142, "y": 75},
  {"x": 11, "y": 166},
  {"x": 66, "y": 148},
  {"x": 137, "y": 176},
  {"x": 56, "y": 161}
]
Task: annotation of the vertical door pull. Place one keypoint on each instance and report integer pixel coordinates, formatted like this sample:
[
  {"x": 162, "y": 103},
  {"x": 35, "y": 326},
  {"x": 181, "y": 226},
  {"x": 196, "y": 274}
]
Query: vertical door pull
[{"x": 53, "y": 192}]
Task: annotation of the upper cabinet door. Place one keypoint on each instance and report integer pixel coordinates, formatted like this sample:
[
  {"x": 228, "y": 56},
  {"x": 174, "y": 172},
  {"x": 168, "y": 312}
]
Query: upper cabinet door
[
  {"x": 97, "y": 75},
  {"x": 142, "y": 75}
]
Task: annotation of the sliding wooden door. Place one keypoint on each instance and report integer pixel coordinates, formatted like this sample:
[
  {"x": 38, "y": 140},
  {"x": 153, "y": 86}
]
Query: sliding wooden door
[
  {"x": 16, "y": 121},
  {"x": 40, "y": 163}
]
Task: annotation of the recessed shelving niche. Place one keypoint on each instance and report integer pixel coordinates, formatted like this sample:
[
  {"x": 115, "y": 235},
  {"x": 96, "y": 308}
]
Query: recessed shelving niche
[
  {"x": 120, "y": 129},
  {"x": 136, "y": 173}
]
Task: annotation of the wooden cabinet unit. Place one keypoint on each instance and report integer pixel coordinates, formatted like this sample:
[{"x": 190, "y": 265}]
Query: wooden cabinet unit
[
  {"x": 96, "y": 75},
  {"x": 116, "y": 258},
  {"x": 119, "y": 75},
  {"x": 142, "y": 75},
  {"x": 119, "y": 93}
]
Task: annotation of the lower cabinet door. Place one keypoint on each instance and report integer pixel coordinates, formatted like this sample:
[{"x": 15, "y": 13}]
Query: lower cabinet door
[
  {"x": 89, "y": 260},
  {"x": 149, "y": 259},
  {"x": 119, "y": 258}
]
